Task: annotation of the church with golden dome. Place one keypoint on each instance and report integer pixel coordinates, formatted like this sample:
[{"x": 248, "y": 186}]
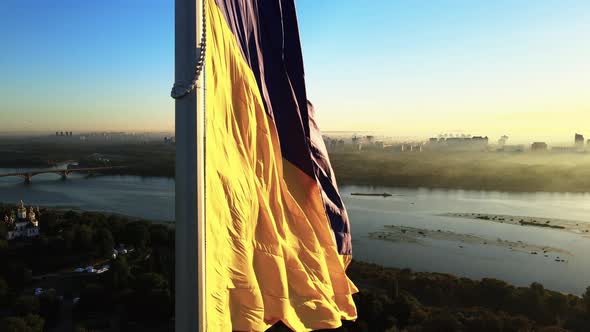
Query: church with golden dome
[{"x": 22, "y": 223}]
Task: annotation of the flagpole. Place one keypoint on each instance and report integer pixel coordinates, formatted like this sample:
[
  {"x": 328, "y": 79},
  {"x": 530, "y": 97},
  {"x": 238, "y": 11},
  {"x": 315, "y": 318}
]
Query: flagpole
[{"x": 189, "y": 202}]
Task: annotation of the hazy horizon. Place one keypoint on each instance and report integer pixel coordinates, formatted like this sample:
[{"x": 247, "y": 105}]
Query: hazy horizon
[
  {"x": 569, "y": 141},
  {"x": 403, "y": 69}
]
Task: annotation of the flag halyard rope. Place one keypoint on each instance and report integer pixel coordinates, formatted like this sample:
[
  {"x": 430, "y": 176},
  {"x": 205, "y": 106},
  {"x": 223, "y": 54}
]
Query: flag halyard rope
[{"x": 180, "y": 89}]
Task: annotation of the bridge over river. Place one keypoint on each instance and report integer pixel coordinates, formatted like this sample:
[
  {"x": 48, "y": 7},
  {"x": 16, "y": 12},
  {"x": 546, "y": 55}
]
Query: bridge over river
[{"x": 28, "y": 175}]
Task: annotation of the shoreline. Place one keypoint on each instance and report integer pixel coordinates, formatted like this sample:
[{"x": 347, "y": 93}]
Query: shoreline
[
  {"x": 66, "y": 208},
  {"x": 360, "y": 183},
  {"x": 348, "y": 182}
]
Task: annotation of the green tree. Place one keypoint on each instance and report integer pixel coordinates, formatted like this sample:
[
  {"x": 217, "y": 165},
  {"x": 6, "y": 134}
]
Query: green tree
[
  {"x": 72, "y": 216},
  {"x": 3, "y": 229},
  {"x": 552, "y": 329},
  {"x": 14, "y": 324},
  {"x": 3, "y": 292},
  {"x": 442, "y": 322},
  {"x": 81, "y": 329},
  {"x": 34, "y": 322},
  {"x": 18, "y": 275},
  {"x": 93, "y": 298},
  {"x": 517, "y": 324},
  {"x": 136, "y": 234},
  {"x": 557, "y": 305},
  {"x": 104, "y": 242},
  {"x": 485, "y": 321},
  {"x": 494, "y": 292},
  {"x": 116, "y": 225},
  {"x": 531, "y": 301},
  {"x": 69, "y": 236},
  {"x": 26, "y": 304},
  {"x": 119, "y": 273},
  {"x": 150, "y": 281},
  {"x": 538, "y": 289},
  {"x": 159, "y": 235},
  {"x": 370, "y": 306},
  {"x": 49, "y": 223},
  {"x": 3, "y": 244},
  {"x": 151, "y": 299},
  {"x": 49, "y": 307},
  {"x": 402, "y": 309},
  {"x": 586, "y": 299},
  {"x": 82, "y": 237}
]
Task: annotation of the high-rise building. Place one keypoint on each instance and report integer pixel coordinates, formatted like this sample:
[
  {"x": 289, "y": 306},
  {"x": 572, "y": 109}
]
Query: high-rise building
[
  {"x": 539, "y": 146},
  {"x": 579, "y": 140}
]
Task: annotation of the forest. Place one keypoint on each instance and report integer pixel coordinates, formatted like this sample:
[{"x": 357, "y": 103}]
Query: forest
[{"x": 137, "y": 292}]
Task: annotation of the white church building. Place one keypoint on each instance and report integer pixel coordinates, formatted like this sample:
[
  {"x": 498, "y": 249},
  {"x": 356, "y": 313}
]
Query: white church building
[{"x": 23, "y": 224}]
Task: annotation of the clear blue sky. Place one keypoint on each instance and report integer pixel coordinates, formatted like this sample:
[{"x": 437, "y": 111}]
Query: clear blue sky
[{"x": 408, "y": 68}]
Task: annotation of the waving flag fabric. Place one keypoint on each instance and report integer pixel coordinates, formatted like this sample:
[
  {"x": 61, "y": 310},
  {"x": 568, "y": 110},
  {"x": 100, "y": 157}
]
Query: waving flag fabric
[{"x": 277, "y": 233}]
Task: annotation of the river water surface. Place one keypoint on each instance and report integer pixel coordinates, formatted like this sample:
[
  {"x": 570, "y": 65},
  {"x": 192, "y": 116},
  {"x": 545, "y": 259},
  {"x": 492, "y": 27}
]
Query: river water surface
[{"x": 153, "y": 198}]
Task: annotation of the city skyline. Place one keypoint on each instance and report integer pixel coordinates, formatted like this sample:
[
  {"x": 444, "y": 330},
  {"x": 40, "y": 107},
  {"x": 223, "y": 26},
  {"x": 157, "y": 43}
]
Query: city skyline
[
  {"x": 168, "y": 136},
  {"x": 408, "y": 68}
]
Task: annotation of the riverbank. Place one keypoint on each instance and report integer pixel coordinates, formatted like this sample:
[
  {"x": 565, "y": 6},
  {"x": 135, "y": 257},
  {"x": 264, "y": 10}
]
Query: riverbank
[
  {"x": 152, "y": 158},
  {"x": 509, "y": 172},
  {"x": 522, "y": 172}
]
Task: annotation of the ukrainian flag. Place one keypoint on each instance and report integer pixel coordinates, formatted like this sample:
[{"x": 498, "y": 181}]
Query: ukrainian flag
[{"x": 277, "y": 233}]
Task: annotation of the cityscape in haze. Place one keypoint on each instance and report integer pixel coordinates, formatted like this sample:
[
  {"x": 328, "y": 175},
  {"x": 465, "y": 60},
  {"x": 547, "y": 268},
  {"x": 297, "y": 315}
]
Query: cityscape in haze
[
  {"x": 458, "y": 132},
  {"x": 410, "y": 69}
]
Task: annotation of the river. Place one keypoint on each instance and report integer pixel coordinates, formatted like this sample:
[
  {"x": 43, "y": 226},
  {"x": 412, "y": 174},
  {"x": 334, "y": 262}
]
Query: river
[{"x": 153, "y": 198}]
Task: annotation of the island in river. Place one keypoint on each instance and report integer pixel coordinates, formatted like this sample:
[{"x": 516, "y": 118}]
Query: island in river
[
  {"x": 398, "y": 233},
  {"x": 572, "y": 226}
]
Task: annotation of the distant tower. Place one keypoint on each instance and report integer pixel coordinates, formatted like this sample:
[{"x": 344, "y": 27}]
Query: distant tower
[
  {"x": 33, "y": 217},
  {"x": 539, "y": 146},
  {"x": 579, "y": 140},
  {"x": 31, "y": 214},
  {"x": 21, "y": 211}
]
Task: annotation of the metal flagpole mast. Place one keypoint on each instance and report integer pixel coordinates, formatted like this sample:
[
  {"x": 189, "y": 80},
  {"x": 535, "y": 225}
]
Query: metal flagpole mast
[{"x": 190, "y": 233}]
